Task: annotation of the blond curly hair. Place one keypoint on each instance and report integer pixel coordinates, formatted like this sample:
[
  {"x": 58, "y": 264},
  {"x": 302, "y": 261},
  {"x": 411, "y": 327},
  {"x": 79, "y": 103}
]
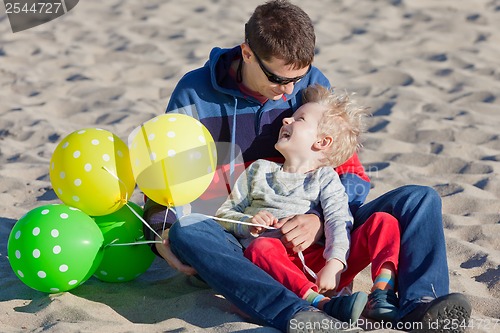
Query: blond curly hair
[{"x": 342, "y": 119}]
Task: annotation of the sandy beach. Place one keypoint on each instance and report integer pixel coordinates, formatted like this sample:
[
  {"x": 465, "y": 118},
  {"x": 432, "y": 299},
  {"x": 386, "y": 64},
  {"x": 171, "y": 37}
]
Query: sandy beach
[{"x": 428, "y": 70}]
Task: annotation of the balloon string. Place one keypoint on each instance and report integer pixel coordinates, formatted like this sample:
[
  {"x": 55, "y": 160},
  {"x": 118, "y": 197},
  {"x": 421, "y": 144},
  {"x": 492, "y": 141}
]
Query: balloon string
[
  {"x": 165, "y": 217},
  {"x": 240, "y": 222},
  {"x": 126, "y": 204},
  {"x": 121, "y": 181},
  {"x": 142, "y": 220},
  {"x": 136, "y": 243},
  {"x": 307, "y": 269}
]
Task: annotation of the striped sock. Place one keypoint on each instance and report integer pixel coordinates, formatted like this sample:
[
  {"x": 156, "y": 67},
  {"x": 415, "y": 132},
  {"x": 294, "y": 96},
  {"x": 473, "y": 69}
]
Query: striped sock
[
  {"x": 314, "y": 298},
  {"x": 385, "y": 280}
]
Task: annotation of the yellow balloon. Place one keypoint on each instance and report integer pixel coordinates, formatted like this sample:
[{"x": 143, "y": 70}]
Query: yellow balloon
[
  {"x": 90, "y": 170},
  {"x": 173, "y": 158}
]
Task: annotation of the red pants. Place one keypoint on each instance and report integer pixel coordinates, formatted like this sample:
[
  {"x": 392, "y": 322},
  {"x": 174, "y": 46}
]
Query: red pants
[{"x": 377, "y": 241}]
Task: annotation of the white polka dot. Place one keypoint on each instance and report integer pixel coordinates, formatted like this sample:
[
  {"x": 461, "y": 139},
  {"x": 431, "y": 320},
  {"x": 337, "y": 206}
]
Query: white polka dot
[
  {"x": 103, "y": 273},
  {"x": 54, "y": 233},
  {"x": 201, "y": 138},
  {"x": 42, "y": 274},
  {"x": 77, "y": 182},
  {"x": 56, "y": 249},
  {"x": 36, "y": 231},
  {"x": 65, "y": 145},
  {"x": 54, "y": 290},
  {"x": 151, "y": 137},
  {"x": 137, "y": 162},
  {"x": 81, "y": 131},
  {"x": 119, "y": 153},
  {"x": 18, "y": 254},
  {"x": 20, "y": 273},
  {"x": 87, "y": 167},
  {"x": 199, "y": 124},
  {"x": 74, "y": 209},
  {"x": 45, "y": 212},
  {"x": 196, "y": 155},
  {"x": 172, "y": 119},
  {"x": 106, "y": 157},
  {"x": 52, "y": 165},
  {"x": 63, "y": 268},
  {"x": 171, "y": 153},
  {"x": 64, "y": 216},
  {"x": 152, "y": 156},
  {"x": 72, "y": 282},
  {"x": 76, "y": 198},
  {"x": 36, "y": 253},
  {"x": 209, "y": 169},
  {"x": 60, "y": 191},
  {"x": 120, "y": 278},
  {"x": 171, "y": 134},
  {"x": 76, "y": 154},
  {"x": 110, "y": 138},
  {"x": 18, "y": 234},
  {"x": 62, "y": 175},
  {"x": 95, "y": 142}
]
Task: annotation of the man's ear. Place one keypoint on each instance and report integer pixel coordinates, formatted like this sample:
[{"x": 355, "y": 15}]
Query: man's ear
[
  {"x": 323, "y": 143},
  {"x": 246, "y": 52}
]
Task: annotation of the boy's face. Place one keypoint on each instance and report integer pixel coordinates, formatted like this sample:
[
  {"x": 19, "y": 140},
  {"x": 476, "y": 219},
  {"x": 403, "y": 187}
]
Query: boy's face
[{"x": 300, "y": 131}]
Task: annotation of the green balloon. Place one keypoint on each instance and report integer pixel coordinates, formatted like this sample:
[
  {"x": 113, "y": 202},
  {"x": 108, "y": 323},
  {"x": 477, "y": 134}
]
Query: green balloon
[
  {"x": 123, "y": 262},
  {"x": 55, "y": 248}
]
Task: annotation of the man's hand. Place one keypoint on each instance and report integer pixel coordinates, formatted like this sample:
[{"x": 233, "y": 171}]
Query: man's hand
[
  {"x": 167, "y": 254},
  {"x": 300, "y": 231}
]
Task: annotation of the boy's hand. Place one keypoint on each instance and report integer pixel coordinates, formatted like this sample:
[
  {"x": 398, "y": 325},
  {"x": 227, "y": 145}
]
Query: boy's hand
[
  {"x": 300, "y": 231},
  {"x": 329, "y": 277},
  {"x": 263, "y": 218}
]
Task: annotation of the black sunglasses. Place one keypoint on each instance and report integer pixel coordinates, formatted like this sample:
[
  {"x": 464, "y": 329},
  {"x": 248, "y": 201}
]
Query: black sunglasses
[{"x": 273, "y": 78}]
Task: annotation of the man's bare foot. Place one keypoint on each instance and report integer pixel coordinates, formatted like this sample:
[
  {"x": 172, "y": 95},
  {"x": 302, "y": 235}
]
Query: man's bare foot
[{"x": 166, "y": 253}]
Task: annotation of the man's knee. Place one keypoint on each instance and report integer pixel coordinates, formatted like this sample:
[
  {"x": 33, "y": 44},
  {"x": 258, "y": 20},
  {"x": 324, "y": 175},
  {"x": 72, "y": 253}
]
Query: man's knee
[{"x": 420, "y": 191}]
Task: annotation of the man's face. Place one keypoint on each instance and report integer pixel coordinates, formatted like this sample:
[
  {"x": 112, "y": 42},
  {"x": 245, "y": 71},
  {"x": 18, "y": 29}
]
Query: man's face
[{"x": 267, "y": 74}]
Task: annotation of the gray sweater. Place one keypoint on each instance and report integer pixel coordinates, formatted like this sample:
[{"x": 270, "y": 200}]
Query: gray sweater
[{"x": 265, "y": 186}]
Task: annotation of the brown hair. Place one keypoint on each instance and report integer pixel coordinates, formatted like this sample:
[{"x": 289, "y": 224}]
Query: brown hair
[
  {"x": 342, "y": 119},
  {"x": 282, "y": 30}
]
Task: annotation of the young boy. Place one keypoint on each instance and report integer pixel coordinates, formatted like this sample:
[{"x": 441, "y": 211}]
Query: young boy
[{"x": 322, "y": 134}]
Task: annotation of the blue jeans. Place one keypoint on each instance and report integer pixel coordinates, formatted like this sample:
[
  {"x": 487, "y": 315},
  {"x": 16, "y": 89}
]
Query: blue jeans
[
  {"x": 423, "y": 267},
  {"x": 218, "y": 258}
]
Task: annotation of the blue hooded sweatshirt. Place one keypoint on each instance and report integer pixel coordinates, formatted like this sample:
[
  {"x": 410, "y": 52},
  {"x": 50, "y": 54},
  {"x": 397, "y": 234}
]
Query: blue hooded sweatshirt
[{"x": 211, "y": 95}]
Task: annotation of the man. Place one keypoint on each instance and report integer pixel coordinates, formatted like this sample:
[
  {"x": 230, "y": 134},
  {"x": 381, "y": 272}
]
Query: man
[{"x": 241, "y": 95}]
